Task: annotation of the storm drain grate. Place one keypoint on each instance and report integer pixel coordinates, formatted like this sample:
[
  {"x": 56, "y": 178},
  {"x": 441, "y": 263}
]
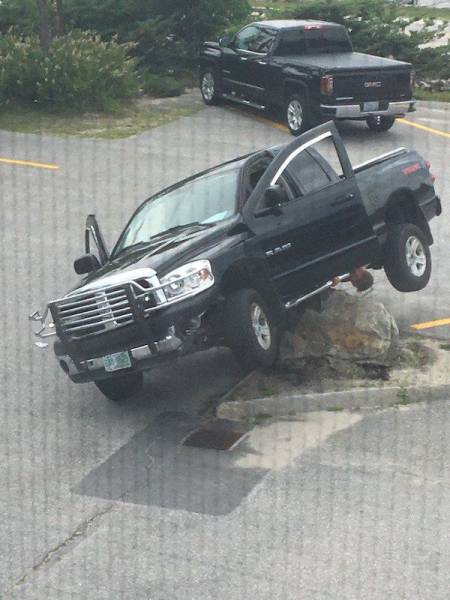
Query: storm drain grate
[{"x": 214, "y": 437}]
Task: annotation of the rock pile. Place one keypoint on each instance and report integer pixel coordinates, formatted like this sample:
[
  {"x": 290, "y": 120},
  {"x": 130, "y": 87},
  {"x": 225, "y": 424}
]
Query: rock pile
[{"x": 350, "y": 332}]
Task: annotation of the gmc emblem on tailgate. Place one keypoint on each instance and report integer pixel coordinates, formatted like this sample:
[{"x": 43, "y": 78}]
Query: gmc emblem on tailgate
[{"x": 372, "y": 84}]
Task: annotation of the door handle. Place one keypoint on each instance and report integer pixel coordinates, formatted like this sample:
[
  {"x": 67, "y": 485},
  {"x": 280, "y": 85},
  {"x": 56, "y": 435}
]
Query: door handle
[
  {"x": 244, "y": 58},
  {"x": 344, "y": 200},
  {"x": 262, "y": 62}
]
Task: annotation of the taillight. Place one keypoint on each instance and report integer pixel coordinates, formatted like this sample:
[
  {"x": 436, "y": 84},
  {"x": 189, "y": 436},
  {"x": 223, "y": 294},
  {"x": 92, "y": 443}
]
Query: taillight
[
  {"x": 428, "y": 166},
  {"x": 412, "y": 80},
  {"x": 327, "y": 85}
]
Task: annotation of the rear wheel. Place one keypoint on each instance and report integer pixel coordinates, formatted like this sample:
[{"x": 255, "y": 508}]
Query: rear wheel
[
  {"x": 209, "y": 87},
  {"x": 380, "y": 123},
  {"x": 298, "y": 114},
  {"x": 250, "y": 329},
  {"x": 408, "y": 259},
  {"x": 122, "y": 387}
]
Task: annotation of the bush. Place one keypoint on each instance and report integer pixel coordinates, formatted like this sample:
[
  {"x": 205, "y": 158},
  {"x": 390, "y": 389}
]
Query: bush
[
  {"x": 162, "y": 86},
  {"x": 167, "y": 33},
  {"x": 79, "y": 72}
]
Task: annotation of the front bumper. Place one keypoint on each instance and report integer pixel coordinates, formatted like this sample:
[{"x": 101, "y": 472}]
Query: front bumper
[
  {"x": 149, "y": 341},
  {"x": 142, "y": 358},
  {"x": 356, "y": 111}
]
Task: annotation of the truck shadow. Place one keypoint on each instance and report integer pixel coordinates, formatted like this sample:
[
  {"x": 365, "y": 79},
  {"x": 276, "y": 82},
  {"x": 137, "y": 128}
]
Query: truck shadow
[{"x": 154, "y": 467}]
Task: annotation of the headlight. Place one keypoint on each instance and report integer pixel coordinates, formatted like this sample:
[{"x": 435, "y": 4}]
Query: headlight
[{"x": 188, "y": 280}]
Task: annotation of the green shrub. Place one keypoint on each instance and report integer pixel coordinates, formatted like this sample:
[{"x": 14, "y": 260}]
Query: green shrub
[
  {"x": 80, "y": 72},
  {"x": 163, "y": 86}
]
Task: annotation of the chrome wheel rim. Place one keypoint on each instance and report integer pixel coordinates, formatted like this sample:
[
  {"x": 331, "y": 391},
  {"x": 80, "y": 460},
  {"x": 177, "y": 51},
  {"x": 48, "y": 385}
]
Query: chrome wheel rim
[
  {"x": 261, "y": 326},
  {"x": 208, "y": 86},
  {"x": 415, "y": 256},
  {"x": 295, "y": 115}
]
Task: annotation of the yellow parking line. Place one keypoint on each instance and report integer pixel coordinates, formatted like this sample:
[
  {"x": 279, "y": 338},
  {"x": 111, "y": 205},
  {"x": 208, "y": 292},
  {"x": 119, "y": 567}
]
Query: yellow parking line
[
  {"x": 431, "y": 324},
  {"x": 28, "y": 163},
  {"x": 424, "y": 128}
]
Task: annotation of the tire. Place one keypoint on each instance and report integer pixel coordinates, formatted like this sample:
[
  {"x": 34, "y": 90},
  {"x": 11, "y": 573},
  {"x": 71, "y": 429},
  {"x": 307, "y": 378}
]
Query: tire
[
  {"x": 380, "y": 124},
  {"x": 298, "y": 114},
  {"x": 253, "y": 347},
  {"x": 407, "y": 261},
  {"x": 122, "y": 387},
  {"x": 209, "y": 87}
]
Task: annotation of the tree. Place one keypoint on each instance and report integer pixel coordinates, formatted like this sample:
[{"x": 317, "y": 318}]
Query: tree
[
  {"x": 59, "y": 17},
  {"x": 45, "y": 31}
]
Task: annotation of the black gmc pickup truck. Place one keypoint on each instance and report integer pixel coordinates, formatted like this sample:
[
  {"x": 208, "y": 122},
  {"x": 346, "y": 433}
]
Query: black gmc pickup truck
[
  {"x": 308, "y": 70},
  {"x": 220, "y": 258}
]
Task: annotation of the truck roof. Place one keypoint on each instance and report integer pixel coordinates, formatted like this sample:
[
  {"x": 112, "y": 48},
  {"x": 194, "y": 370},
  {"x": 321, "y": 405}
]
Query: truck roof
[{"x": 293, "y": 23}]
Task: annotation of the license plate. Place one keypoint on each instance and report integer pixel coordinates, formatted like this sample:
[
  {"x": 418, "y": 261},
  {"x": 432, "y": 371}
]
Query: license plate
[
  {"x": 116, "y": 362},
  {"x": 370, "y": 106}
]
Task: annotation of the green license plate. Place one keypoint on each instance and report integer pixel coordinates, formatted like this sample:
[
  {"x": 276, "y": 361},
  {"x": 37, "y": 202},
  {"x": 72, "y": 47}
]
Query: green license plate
[{"x": 116, "y": 362}]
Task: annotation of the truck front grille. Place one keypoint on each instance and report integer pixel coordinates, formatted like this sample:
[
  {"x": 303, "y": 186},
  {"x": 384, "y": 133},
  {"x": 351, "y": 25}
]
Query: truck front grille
[{"x": 93, "y": 312}]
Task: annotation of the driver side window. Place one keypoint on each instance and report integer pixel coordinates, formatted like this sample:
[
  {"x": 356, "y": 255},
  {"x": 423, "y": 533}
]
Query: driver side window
[{"x": 246, "y": 39}]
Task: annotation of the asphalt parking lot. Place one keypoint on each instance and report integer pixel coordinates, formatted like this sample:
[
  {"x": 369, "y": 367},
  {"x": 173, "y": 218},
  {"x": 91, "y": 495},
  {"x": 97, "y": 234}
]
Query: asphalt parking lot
[{"x": 98, "y": 501}]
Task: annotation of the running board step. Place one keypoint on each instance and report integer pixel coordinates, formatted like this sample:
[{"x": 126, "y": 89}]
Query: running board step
[
  {"x": 322, "y": 288},
  {"x": 245, "y": 102}
]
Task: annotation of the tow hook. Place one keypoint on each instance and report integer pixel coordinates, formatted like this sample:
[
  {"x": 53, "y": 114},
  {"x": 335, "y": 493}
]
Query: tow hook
[{"x": 47, "y": 327}]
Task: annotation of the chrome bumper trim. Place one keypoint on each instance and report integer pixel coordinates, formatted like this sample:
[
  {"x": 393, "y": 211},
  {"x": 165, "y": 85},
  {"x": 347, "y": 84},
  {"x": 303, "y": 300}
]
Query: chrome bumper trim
[{"x": 353, "y": 111}]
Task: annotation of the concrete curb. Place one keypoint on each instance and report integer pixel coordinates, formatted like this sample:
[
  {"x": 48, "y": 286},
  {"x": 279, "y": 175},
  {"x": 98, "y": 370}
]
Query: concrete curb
[{"x": 281, "y": 406}]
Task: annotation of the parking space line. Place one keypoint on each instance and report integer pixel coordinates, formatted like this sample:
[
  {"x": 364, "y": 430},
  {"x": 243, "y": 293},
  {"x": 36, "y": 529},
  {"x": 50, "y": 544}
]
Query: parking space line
[
  {"x": 431, "y": 324},
  {"x": 424, "y": 128},
  {"x": 28, "y": 163}
]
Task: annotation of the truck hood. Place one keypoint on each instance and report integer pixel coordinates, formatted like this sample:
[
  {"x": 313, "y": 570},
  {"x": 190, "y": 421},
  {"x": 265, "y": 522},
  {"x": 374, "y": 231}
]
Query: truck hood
[
  {"x": 160, "y": 257},
  {"x": 343, "y": 61}
]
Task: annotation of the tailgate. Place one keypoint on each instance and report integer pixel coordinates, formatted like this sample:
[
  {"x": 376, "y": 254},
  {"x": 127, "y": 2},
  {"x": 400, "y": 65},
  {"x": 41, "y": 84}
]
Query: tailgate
[{"x": 370, "y": 85}]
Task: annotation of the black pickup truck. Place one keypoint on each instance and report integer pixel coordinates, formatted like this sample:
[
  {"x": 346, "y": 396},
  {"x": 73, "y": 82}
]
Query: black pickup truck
[
  {"x": 308, "y": 70},
  {"x": 220, "y": 258}
]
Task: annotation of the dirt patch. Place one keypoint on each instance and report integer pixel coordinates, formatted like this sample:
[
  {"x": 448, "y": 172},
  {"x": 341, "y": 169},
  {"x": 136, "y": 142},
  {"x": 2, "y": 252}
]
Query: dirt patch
[{"x": 419, "y": 363}]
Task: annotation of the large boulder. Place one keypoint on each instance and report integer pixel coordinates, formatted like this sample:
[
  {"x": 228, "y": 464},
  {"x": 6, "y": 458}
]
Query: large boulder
[{"x": 349, "y": 327}]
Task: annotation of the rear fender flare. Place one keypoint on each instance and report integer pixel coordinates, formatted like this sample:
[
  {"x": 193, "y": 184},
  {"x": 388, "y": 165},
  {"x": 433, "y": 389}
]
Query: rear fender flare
[{"x": 403, "y": 207}]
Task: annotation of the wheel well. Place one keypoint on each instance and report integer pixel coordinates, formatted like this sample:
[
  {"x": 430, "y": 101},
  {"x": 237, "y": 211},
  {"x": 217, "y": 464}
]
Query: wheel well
[
  {"x": 253, "y": 276},
  {"x": 402, "y": 208},
  {"x": 292, "y": 87}
]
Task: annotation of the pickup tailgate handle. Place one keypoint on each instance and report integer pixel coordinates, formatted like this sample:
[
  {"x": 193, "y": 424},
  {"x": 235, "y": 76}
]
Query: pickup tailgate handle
[{"x": 343, "y": 200}]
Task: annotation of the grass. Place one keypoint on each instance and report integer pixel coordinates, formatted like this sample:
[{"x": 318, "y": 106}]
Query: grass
[
  {"x": 121, "y": 123},
  {"x": 433, "y": 96}
]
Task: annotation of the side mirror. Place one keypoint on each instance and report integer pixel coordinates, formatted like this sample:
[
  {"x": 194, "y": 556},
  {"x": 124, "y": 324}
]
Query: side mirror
[
  {"x": 225, "y": 41},
  {"x": 86, "y": 264},
  {"x": 275, "y": 195}
]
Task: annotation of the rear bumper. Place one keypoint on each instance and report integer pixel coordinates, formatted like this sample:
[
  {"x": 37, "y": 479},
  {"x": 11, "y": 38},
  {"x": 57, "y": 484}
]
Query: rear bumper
[{"x": 355, "y": 111}]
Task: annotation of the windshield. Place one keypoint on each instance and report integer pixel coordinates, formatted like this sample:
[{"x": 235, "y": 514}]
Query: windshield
[
  {"x": 203, "y": 201},
  {"x": 314, "y": 41}
]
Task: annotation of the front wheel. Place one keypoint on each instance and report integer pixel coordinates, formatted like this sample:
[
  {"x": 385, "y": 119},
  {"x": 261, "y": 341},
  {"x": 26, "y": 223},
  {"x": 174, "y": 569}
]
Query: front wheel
[
  {"x": 209, "y": 87},
  {"x": 408, "y": 259},
  {"x": 122, "y": 387},
  {"x": 380, "y": 123},
  {"x": 250, "y": 329}
]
